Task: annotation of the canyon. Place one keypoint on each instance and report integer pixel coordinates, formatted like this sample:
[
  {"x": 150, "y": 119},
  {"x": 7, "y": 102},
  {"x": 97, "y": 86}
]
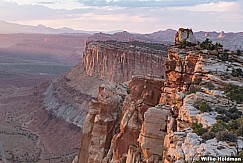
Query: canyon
[
  {"x": 103, "y": 62},
  {"x": 130, "y": 99}
]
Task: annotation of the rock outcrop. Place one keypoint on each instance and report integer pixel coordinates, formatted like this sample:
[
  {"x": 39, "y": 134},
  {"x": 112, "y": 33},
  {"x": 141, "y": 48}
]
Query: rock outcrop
[
  {"x": 153, "y": 120},
  {"x": 126, "y": 122},
  {"x": 194, "y": 81},
  {"x": 185, "y": 35}
]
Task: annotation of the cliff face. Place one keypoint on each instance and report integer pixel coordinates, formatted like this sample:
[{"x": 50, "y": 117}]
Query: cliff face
[
  {"x": 111, "y": 130},
  {"x": 154, "y": 117},
  {"x": 119, "y": 61},
  {"x": 103, "y": 62}
]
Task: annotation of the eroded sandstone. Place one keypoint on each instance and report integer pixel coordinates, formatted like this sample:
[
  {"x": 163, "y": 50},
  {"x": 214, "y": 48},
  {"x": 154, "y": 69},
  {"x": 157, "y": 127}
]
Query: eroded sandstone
[{"x": 154, "y": 119}]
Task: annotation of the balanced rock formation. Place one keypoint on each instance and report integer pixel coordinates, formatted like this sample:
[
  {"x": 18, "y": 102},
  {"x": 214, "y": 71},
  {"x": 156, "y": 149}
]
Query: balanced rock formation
[{"x": 185, "y": 35}]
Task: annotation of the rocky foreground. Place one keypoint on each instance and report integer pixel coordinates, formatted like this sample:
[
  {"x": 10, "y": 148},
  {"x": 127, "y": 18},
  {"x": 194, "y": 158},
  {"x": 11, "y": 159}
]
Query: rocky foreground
[{"x": 196, "y": 110}]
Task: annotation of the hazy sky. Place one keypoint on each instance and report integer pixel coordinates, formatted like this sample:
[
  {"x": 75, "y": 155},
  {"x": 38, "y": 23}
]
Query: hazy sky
[{"x": 141, "y": 16}]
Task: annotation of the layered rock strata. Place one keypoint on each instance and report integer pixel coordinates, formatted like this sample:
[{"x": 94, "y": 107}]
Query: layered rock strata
[
  {"x": 144, "y": 94},
  {"x": 154, "y": 117},
  {"x": 103, "y": 62},
  {"x": 119, "y": 61},
  {"x": 181, "y": 144}
]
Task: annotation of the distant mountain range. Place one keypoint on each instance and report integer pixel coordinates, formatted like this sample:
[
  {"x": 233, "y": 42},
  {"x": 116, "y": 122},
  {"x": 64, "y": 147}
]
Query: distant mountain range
[
  {"x": 230, "y": 40},
  {"x": 7, "y": 28}
]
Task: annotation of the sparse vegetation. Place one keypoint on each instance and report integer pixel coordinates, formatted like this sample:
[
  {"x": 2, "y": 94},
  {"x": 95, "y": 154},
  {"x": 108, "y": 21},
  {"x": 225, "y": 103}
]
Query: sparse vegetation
[
  {"x": 238, "y": 52},
  {"x": 224, "y": 56},
  {"x": 225, "y": 129},
  {"x": 184, "y": 44},
  {"x": 223, "y": 118},
  {"x": 208, "y": 135},
  {"x": 218, "y": 130},
  {"x": 198, "y": 128},
  {"x": 210, "y": 85},
  {"x": 227, "y": 115},
  {"x": 204, "y": 107},
  {"x": 197, "y": 80},
  {"x": 194, "y": 89},
  {"x": 220, "y": 110},
  {"x": 237, "y": 72},
  {"x": 226, "y": 136},
  {"x": 234, "y": 92},
  {"x": 219, "y": 126},
  {"x": 208, "y": 45},
  {"x": 236, "y": 126}
]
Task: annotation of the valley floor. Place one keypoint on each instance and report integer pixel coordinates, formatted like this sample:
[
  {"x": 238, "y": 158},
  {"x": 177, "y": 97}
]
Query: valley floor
[{"x": 28, "y": 133}]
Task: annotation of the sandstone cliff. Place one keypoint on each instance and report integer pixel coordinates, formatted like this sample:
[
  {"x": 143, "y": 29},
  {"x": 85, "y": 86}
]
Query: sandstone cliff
[
  {"x": 153, "y": 120},
  {"x": 119, "y": 61},
  {"x": 103, "y": 62}
]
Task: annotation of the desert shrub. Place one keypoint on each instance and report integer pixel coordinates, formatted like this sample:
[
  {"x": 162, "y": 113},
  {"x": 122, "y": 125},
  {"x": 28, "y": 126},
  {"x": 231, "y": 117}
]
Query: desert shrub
[
  {"x": 232, "y": 115},
  {"x": 234, "y": 92},
  {"x": 220, "y": 110},
  {"x": 218, "y": 45},
  {"x": 198, "y": 128},
  {"x": 223, "y": 118},
  {"x": 239, "y": 131},
  {"x": 207, "y": 44},
  {"x": 232, "y": 125},
  {"x": 233, "y": 110},
  {"x": 237, "y": 72},
  {"x": 194, "y": 89},
  {"x": 226, "y": 136},
  {"x": 224, "y": 56},
  {"x": 227, "y": 115},
  {"x": 210, "y": 85},
  {"x": 197, "y": 80},
  {"x": 204, "y": 107},
  {"x": 184, "y": 44},
  {"x": 235, "y": 113},
  {"x": 238, "y": 52},
  {"x": 236, "y": 126},
  {"x": 208, "y": 135},
  {"x": 219, "y": 126}
]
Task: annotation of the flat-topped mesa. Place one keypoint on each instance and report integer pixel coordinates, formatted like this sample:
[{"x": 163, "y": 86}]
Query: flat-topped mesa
[
  {"x": 185, "y": 35},
  {"x": 119, "y": 61}
]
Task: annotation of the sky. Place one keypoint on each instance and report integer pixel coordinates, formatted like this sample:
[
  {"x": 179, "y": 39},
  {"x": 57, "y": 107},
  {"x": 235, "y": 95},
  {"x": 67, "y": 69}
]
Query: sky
[{"x": 138, "y": 16}]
